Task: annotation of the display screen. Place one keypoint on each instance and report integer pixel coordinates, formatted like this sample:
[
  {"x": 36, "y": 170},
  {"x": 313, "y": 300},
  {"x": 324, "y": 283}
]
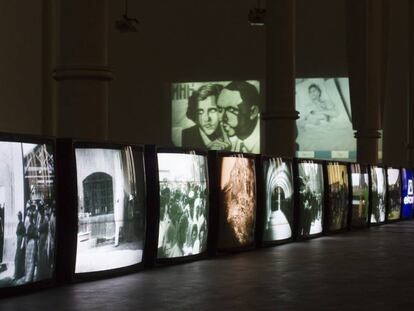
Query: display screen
[
  {"x": 237, "y": 202},
  {"x": 407, "y": 194},
  {"x": 394, "y": 194},
  {"x": 338, "y": 196},
  {"x": 27, "y": 213},
  {"x": 221, "y": 115},
  {"x": 324, "y": 127},
  {"x": 183, "y": 225},
  {"x": 360, "y": 195},
  {"x": 311, "y": 198},
  {"x": 378, "y": 188},
  {"x": 278, "y": 215},
  {"x": 111, "y": 208}
]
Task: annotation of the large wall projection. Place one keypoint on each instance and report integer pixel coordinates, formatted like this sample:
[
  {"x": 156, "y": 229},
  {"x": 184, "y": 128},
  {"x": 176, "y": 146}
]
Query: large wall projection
[
  {"x": 220, "y": 115},
  {"x": 324, "y": 127}
]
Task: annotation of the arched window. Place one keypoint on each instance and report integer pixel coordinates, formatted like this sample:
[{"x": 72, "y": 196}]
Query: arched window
[{"x": 98, "y": 194}]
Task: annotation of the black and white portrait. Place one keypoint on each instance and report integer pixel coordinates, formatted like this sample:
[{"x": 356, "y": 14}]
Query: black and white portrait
[
  {"x": 221, "y": 115},
  {"x": 27, "y": 213},
  {"x": 378, "y": 188},
  {"x": 325, "y": 120},
  {"x": 279, "y": 200},
  {"x": 111, "y": 209},
  {"x": 311, "y": 198},
  {"x": 183, "y": 225}
]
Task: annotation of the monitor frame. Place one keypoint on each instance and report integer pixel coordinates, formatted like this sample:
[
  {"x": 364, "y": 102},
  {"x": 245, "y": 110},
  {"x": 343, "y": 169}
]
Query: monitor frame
[
  {"x": 261, "y": 205},
  {"x": 67, "y": 253},
  {"x": 298, "y": 212},
  {"x": 350, "y": 219},
  {"x": 388, "y": 206},
  {"x": 402, "y": 199},
  {"x": 371, "y": 205},
  {"x": 155, "y": 215},
  {"x": 47, "y": 283},
  {"x": 216, "y": 156},
  {"x": 328, "y": 215}
]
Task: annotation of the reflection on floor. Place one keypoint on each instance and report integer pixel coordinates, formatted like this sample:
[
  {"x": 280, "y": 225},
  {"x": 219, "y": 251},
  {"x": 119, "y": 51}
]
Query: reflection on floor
[{"x": 370, "y": 269}]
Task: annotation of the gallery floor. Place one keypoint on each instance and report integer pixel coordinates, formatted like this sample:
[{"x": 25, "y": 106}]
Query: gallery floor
[{"x": 371, "y": 269}]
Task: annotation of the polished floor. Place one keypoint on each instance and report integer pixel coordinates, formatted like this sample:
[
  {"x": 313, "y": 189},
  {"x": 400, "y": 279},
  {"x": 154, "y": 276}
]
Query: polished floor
[{"x": 371, "y": 269}]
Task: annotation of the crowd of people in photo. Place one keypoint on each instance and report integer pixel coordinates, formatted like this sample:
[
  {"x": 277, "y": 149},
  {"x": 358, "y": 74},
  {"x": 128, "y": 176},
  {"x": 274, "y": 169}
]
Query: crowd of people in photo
[
  {"x": 183, "y": 219},
  {"x": 35, "y": 243}
]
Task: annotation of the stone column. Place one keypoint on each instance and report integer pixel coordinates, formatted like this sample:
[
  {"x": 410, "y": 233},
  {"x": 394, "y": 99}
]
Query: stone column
[
  {"x": 366, "y": 28},
  {"x": 279, "y": 115},
  {"x": 48, "y": 63},
  {"x": 82, "y": 71}
]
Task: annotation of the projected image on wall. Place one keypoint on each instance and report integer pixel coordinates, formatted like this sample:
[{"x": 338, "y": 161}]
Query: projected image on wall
[
  {"x": 378, "y": 189},
  {"x": 237, "y": 202},
  {"x": 324, "y": 127},
  {"x": 394, "y": 193},
  {"x": 27, "y": 213},
  {"x": 111, "y": 209},
  {"x": 360, "y": 195},
  {"x": 407, "y": 194},
  {"x": 338, "y": 196},
  {"x": 278, "y": 216},
  {"x": 311, "y": 198},
  {"x": 183, "y": 226},
  {"x": 221, "y": 115}
]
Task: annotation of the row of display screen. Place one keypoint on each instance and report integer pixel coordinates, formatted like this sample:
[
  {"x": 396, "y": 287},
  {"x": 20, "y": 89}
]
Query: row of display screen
[{"x": 111, "y": 211}]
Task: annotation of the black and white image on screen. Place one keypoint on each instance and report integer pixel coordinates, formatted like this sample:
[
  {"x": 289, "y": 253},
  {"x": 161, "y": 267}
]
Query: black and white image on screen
[
  {"x": 223, "y": 115},
  {"x": 111, "y": 208},
  {"x": 311, "y": 196},
  {"x": 183, "y": 205},
  {"x": 27, "y": 213},
  {"x": 325, "y": 120},
  {"x": 379, "y": 186},
  {"x": 337, "y": 211},
  {"x": 360, "y": 195},
  {"x": 279, "y": 200},
  {"x": 394, "y": 193}
]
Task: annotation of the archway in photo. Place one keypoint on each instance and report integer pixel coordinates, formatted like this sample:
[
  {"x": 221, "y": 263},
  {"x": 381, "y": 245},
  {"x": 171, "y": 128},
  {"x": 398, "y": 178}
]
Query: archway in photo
[{"x": 98, "y": 193}]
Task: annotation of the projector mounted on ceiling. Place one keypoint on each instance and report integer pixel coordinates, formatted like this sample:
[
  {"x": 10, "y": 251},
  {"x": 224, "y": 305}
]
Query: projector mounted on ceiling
[
  {"x": 127, "y": 24},
  {"x": 257, "y": 15}
]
